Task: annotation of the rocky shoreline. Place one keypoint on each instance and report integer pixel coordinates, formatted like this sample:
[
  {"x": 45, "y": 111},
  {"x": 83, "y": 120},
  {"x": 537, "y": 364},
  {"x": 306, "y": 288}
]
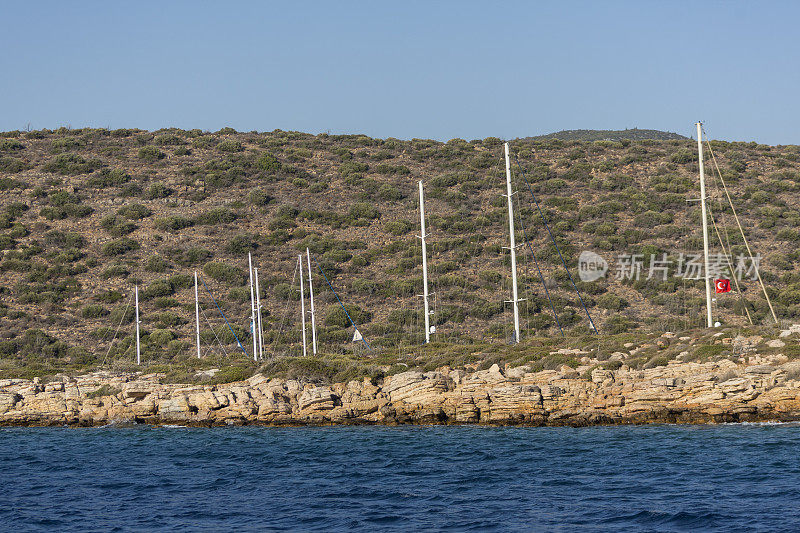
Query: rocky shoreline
[{"x": 680, "y": 392}]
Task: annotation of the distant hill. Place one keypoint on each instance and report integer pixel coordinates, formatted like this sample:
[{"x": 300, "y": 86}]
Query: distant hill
[{"x": 634, "y": 134}]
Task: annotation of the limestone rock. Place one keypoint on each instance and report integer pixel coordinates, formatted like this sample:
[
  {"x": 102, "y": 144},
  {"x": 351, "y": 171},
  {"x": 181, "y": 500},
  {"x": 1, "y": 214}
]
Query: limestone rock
[{"x": 317, "y": 398}]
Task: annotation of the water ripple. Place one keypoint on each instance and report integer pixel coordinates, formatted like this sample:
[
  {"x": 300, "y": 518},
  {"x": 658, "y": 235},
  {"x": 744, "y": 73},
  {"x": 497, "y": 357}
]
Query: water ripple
[{"x": 656, "y": 478}]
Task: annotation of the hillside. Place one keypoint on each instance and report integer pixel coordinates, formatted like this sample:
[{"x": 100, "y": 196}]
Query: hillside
[
  {"x": 634, "y": 134},
  {"x": 86, "y": 214}
]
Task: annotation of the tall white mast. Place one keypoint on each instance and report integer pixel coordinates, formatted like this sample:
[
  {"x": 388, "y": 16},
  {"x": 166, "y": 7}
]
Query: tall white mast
[
  {"x": 302, "y": 303},
  {"x": 705, "y": 223},
  {"x": 424, "y": 265},
  {"x": 513, "y": 247},
  {"x": 138, "y": 351},
  {"x": 252, "y": 309},
  {"x": 258, "y": 312},
  {"x": 311, "y": 299},
  {"x": 197, "y": 313}
]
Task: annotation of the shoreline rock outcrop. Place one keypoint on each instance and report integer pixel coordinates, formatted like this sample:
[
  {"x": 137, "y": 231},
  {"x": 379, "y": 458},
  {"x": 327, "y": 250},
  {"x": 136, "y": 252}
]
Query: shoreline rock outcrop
[{"x": 680, "y": 392}]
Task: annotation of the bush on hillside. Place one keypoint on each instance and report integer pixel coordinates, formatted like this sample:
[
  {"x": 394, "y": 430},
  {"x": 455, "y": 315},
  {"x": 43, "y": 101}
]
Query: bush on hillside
[{"x": 151, "y": 154}]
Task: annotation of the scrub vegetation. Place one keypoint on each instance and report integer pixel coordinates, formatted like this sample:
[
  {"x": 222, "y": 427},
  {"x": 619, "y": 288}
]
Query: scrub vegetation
[{"x": 87, "y": 214}]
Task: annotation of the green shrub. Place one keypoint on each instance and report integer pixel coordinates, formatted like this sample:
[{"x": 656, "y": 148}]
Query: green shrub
[
  {"x": 219, "y": 215},
  {"x": 169, "y": 140},
  {"x": 682, "y": 157},
  {"x": 268, "y": 163},
  {"x": 336, "y": 317},
  {"x": 116, "y": 271},
  {"x": 612, "y": 302},
  {"x": 484, "y": 310},
  {"x": 158, "y": 288},
  {"x": 390, "y": 193},
  {"x": 224, "y": 273},
  {"x": 160, "y": 337},
  {"x": 64, "y": 240},
  {"x": 93, "y": 311},
  {"x": 135, "y": 212},
  {"x": 230, "y": 145},
  {"x": 116, "y": 226},
  {"x": 172, "y": 223},
  {"x": 392, "y": 169},
  {"x": 156, "y": 263},
  {"x": 241, "y": 244},
  {"x": 618, "y": 324},
  {"x": 11, "y": 165},
  {"x": 108, "y": 178},
  {"x": 158, "y": 190},
  {"x": 260, "y": 197},
  {"x": 364, "y": 210},
  {"x": 71, "y": 164},
  {"x": 64, "y": 144},
  {"x": 10, "y": 145},
  {"x": 151, "y": 154},
  {"x": 398, "y": 227},
  {"x": 110, "y": 296},
  {"x": 119, "y": 247},
  {"x": 181, "y": 281},
  {"x": 352, "y": 168}
]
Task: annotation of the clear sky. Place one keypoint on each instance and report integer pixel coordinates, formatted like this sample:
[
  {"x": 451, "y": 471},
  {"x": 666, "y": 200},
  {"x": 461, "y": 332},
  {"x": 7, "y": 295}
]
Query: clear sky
[{"x": 404, "y": 69}]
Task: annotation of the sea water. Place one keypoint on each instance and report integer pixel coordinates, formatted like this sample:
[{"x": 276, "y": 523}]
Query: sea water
[{"x": 647, "y": 478}]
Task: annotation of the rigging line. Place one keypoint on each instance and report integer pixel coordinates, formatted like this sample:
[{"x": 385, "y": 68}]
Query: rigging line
[
  {"x": 730, "y": 266},
  {"x": 539, "y": 270},
  {"x": 285, "y": 315},
  {"x": 725, "y": 251},
  {"x": 736, "y": 217},
  {"x": 111, "y": 344},
  {"x": 340, "y": 303},
  {"x": 223, "y": 316},
  {"x": 722, "y": 210},
  {"x": 103, "y": 338},
  {"x": 552, "y": 238},
  {"x": 214, "y": 332}
]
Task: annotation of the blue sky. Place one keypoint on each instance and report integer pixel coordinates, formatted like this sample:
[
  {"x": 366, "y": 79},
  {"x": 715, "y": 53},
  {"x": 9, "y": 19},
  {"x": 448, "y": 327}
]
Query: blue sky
[{"x": 405, "y": 69}]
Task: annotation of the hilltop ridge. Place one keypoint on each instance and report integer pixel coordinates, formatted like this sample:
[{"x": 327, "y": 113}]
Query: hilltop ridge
[{"x": 633, "y": 134}]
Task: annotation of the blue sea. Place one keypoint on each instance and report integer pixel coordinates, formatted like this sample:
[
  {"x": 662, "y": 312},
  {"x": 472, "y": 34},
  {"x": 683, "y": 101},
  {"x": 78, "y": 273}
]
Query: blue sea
[{"x": 647, "y": 478}]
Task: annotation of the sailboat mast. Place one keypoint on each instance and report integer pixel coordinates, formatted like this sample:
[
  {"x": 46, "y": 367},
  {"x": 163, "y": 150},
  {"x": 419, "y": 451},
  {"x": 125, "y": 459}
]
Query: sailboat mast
[
  {"x": 705, "y": 224},
  {"x": 302, "y": 303},
  {"x": 138, "y": 351},
  {"x": 311, "y": 300},
  {"x": 258, "y": 312},
  {"x": 424, "y": 265},
  {"x": 252, "y": 308},
  {"x": 513, "y": 247},
  {"x": 197, "y": 313}
]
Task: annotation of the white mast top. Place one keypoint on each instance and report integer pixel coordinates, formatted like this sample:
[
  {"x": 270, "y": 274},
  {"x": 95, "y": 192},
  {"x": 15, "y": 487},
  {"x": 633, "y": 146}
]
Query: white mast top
[
  {"x": 706, "y": 275},
  {"x": 311, "y": 301},
  {"x": 513, "y": 246},
  {"x": 302, "y": 303},
  {"x": 138, "y": 351},
  {"x": 252, "y": 308},
  {"x": 258, "y": 312},
  {"x": 424, "y": 265},
  {"x": 197, "y": 313}
]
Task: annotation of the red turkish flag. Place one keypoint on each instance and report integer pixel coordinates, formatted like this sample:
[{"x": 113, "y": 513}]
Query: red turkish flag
[{"x": 722, "y": 285}]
